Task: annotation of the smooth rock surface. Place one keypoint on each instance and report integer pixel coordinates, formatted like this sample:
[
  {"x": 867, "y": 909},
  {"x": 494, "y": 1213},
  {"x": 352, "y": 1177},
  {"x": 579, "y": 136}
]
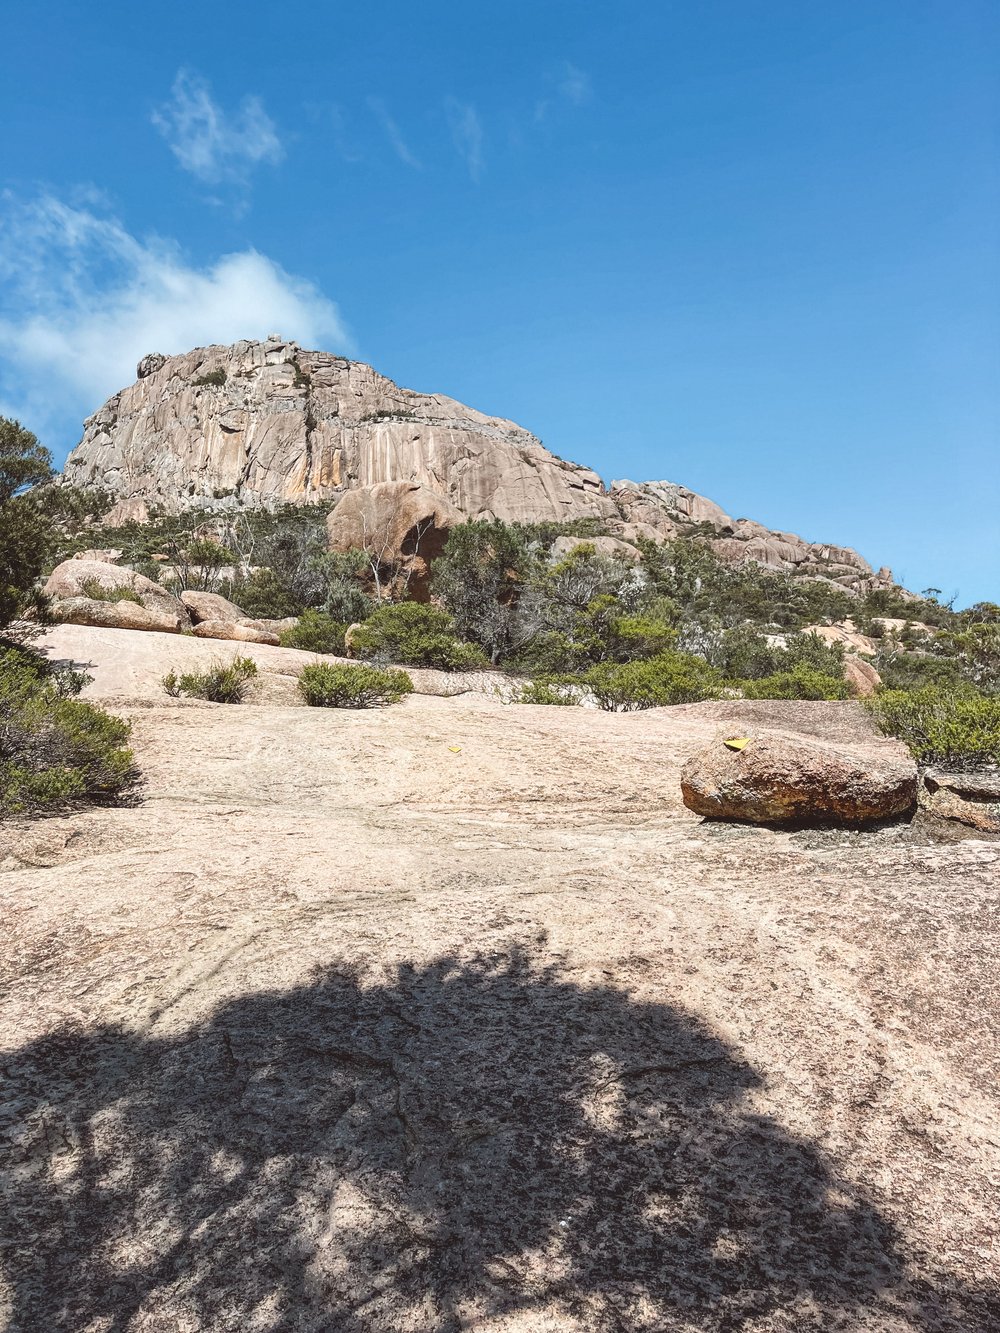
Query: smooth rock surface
[
  {"x": 451, "y": 1016},
  {"x": 783, "y": 778}
]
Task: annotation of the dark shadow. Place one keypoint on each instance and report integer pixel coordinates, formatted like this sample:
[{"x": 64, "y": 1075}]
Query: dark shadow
[{"x": 469, "y": 1140}]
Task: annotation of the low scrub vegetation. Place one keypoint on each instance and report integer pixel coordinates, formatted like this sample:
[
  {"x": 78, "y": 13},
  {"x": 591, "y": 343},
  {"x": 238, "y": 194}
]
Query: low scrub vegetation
[
  {"x": 56, "y": 750},
  {"x": 555, "y": 691},
  {"x": 221, "y": 683},
  {"x": 673, "y": 678},
  {"x": 801, "y": 682},
  {"x": 956, "y": 729},
  {"x": 315, "y": 632},
  {"x": 416, "y": 635},
  {"x": 100, "y": 592},
  {"x": 345, "y": 685}
]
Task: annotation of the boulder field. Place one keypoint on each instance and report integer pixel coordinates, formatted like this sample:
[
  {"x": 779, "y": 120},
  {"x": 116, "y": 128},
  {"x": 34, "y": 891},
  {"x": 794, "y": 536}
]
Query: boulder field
[{"x": 451, "y": 1015}]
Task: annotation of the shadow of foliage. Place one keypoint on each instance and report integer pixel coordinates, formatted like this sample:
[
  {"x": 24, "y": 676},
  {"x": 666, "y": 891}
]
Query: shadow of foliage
[{"x": 467, "y": 1145}]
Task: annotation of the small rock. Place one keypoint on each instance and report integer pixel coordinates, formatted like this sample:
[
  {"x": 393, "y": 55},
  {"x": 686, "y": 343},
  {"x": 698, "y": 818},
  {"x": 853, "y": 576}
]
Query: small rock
[
  {"x": 222, "y": 629},
  {"x": 969, "y": 798}
]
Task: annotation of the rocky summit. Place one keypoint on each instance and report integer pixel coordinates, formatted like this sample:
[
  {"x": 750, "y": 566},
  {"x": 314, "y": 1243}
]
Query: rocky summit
[{"x": 269, "y": 423}]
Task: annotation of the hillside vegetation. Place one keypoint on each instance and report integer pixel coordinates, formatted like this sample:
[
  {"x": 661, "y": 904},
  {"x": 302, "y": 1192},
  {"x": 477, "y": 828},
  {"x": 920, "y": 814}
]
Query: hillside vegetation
[{"x": 677, "y": 626}]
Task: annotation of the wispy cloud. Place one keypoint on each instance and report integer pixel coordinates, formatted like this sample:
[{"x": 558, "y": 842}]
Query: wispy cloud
[
  {"x": 574, "y": 85},
  {"x": 570, "y": 86},
  {"x": 393, "y": 133},
  {"x": 467, "y": 133},
  {"x": 216, "y": 147},
  {"x": 84, "y": 299}
]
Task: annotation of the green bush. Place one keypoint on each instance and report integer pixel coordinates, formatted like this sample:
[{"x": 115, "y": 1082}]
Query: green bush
[
  {"x": 673, "y": 678},
  {"x": 556, "y": 691},
  {"x": 216, "y": 377},
  {"x": 55, "y": 749},
  {"x": 222, "y": 683},
  {"x": 98, "y": 592},
  {"x": 316, "y": 632},
  {"x": 947, "y": 727},
  {"x": 25, "y": 528},
  {"x": 336, "y": 685},
  {"x": 265, "y": 595},
  {"x": 801, "y": 682},
  {"x": 418, "y": 635}
]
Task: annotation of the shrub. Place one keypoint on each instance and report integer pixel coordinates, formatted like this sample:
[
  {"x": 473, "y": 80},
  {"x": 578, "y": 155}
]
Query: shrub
[
  {"x": 25, "y": 530},
  {"x": 344, "y": 685},
  {"x": 98, "y": 592},
  {"x": 316, "y": 632},
  {"x": 55, "y": 749},
  {"x": 673, "y": 678},
  {"x": 265, "y": 595},
  {"x": 801, "y": 682},
  {"x": 557, "y": 691},
  {"x": 222, "y": 683},
  {"x": 418, "y": 635},
  {"x": 216, "y": 377},
  {"x": 947, "y": 727}
]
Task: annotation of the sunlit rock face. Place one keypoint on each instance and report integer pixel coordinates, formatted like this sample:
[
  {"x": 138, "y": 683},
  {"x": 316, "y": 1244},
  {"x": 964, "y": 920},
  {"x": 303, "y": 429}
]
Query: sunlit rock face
[
  {"x": 264, "y": 423},
  {"x": 261, "y": 424}
]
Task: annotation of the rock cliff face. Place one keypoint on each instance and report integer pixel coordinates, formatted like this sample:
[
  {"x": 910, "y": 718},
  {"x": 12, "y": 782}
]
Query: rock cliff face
[{"x": 265, "y": 423}]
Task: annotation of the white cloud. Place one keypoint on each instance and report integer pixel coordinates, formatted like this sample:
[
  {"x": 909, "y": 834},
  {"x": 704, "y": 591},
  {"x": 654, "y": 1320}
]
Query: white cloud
[
  {"x": 574, "y": 84},
  {"x": 393, "y": 133},
  {"x": 84, "y": 299},
  {"x": 467, "y": 132},
  {"x": 217, "y": 148}
]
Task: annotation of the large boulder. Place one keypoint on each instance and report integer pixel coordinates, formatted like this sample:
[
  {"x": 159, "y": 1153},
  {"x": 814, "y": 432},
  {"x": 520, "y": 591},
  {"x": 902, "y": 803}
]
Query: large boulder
[
  {"x": 83, "y": 582},
  {"x": 862, "y": 677},
  {"x": 212, "y": 606},
  {"x": 400, "y": 525},
  {"x": 779, "y": 777},
  {"x": 845, "y": 633},
  {"x": 115, "y": 615},
  {"x": 613, "y": 547}
]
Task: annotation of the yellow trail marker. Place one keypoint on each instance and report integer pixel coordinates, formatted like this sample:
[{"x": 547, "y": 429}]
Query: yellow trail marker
[
  {"x": 737, "y": 742},
  {"x": 455, "y": 749}
]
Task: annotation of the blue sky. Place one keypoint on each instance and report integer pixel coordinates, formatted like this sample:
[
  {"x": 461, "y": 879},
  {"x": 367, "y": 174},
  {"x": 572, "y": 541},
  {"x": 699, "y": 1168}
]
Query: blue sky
[{"x": 749, "y": 247}]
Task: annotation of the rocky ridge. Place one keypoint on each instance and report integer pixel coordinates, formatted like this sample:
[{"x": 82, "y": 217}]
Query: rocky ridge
[{"x": 266, "y": 423}]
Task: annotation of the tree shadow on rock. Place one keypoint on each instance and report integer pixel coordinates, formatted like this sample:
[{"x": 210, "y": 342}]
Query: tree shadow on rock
[{"x": 470, "y": 1146}]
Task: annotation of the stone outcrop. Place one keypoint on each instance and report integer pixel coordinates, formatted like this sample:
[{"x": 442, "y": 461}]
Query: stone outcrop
[
  {"x": 71, "y": 588},
  {"x": 204, "y": 606},
  {"x": 239, "y": 632},
  {"x": 780, "y": 777},
  {"x": 862, "y": 677},
  {"x": 969, "y": 798},
  {"x": 400, "y": 525},
  {"x": 269, "y": 423},
  {"x": 115, "y": 615},
  {"x": 612, "y": 547},
  {"x": 668, "y": 510}
]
